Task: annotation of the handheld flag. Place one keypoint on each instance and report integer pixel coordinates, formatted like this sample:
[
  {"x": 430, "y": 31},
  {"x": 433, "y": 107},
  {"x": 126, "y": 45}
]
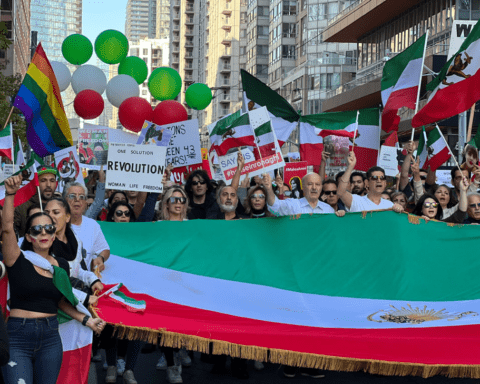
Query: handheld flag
[{"x": 6, "y": 142}]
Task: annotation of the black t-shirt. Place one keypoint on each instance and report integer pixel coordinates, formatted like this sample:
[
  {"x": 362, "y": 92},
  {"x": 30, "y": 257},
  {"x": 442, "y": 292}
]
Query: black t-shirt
[{"x": 31, "y": 291}]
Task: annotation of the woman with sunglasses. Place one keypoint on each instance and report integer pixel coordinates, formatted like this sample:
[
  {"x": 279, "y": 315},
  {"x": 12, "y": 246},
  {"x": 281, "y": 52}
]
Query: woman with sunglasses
[
  {"x": 121, "y": 212},
  {"x": 35, "y": 346},
  {"x": 256, "y": 203}
]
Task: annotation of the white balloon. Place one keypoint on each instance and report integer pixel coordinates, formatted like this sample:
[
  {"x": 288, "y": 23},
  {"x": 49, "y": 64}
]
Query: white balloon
[
  {"x": 120, "y": 88},
  {"x": 62, "y": 73},
  {"x": 89, "y": 77}
]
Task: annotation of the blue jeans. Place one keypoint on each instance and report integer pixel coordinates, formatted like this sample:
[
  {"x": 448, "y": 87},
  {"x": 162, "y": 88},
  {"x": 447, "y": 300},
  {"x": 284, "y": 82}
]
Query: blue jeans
[{"x": 35, "y": 351}]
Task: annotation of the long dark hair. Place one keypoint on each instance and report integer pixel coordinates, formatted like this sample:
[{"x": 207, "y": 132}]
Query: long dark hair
[
  {"x": 65, "y": 206},
  {"x": 298, "y": 188},
  {"x": 418, "y": 208},
  {"x": 26, "y": 245},
  {"x": 112, "y": 196},
  {"x": 453, "y": 201},
  {"x": 200, "y": 174},
  {"x": 115, "y": 206},
  {"x": 248, "y": 204}
]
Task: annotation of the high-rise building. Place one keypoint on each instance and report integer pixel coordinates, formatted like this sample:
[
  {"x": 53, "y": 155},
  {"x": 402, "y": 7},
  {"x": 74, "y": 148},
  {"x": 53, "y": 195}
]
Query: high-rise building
[
  {"x": 163, "y": 19},
  {"x": 141, "y": 19},
  {"x": 54, "y": 20},
  {"x": 257, "y": 33}
]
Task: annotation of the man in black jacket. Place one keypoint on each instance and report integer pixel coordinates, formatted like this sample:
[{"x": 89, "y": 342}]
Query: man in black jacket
[{"x": 202, "y": 197}]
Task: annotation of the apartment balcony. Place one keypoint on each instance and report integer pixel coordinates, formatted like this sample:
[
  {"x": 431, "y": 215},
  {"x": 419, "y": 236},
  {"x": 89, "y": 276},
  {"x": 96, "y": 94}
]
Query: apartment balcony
[
  {"x": 227, "y": 11},
  {"x": 176, "y": 28},
  {"x": 175, "y": 59},
  {"x": 176, "y": 16},
  {"x": 362, "y": 17},
  {"x": 189, "y": 55},
  {"x": 227, "y": 53},
  {"x": 188, "y": 79},
  {"x": 224, "y": 111},
  {"x": 225, "y": 83},
  {"x": 227, "y": 41},
  {"x": 176, "y": 3},
  {"x": 227, "y": 28},
  {"x": 225, "y": 98},
  {"x": 188, "y": 67},
  {"x": 189, "y": 21},
  {"x": 189, "y": 44},
  {"x": 189, "y": 9},
  {"x": 225, "y": 68},
  {"x": 176, "y": 38},
  {"x": 189, "y": 32}
]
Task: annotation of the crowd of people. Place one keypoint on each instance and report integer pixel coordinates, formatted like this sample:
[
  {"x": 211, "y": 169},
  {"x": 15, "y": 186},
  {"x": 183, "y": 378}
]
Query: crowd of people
[{"x": 54, "y": 234}]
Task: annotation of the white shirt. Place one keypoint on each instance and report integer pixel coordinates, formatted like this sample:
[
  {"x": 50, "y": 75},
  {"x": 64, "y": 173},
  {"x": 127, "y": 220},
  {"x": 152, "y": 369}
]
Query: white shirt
[
  {"x": 91, "y": 235},
  {"x": 297, "y": 206},
  {"x": 363, "y": 203}
]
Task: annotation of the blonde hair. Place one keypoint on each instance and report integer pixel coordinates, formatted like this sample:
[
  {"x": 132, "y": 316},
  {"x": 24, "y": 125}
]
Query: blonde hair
[{"x": 164, "y": 215}]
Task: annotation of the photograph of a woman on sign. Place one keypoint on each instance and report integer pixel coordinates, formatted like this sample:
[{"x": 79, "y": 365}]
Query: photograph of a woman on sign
[
  {"x": 470, "y": 154},
  {"x": 296, "y": 187}
]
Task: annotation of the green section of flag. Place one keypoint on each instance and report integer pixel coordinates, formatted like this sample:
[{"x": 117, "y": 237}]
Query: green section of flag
[
  {"x": 7, "y": 131},
  {"x": 62, "y": 283},
  {"x": 341, "y": 120},
  {"x": 263, "y": 129},
  {"x": 224, "y": 124},
  {"x": 321, "y": 254},
  {"x": 475, "y": 141}
]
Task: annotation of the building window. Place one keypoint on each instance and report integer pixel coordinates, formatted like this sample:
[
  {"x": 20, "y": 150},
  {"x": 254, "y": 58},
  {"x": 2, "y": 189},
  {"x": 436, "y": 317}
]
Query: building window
[
  {"x": 289, "y": 7},
  {"x": 145, "y": 51},
  {"x": 289, "y": 30},
  {"x": 288, "y": 51}
]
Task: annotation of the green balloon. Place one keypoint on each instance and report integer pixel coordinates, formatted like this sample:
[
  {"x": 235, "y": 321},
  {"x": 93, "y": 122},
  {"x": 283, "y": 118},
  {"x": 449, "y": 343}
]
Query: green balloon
[
  {"x": 135, "y": 67},
  {"x": 111, "y": 46},
  {"x": 77, "y": 49},
  {"x": 198, "y": 96},
  {"x": 164, "y": 83}
]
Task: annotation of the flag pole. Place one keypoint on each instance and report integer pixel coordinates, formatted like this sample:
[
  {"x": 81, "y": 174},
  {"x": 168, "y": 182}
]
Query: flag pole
[
  {"x": 8, "y": 118},
  {"x": 449, "y": 150},
  {"x": 356, "y": 129},
  {"x": 420, "y": 82},
  {"x": 470, "y": 123}
]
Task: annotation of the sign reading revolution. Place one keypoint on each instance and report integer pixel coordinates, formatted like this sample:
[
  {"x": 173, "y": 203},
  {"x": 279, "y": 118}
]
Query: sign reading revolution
[{"x": 134, "y": 167}]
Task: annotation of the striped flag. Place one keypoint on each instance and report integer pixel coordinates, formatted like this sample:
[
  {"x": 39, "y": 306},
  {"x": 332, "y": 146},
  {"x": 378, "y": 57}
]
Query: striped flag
[
  {"x": 19, "y": 155},
  {"x": 422, "y": 152},
  {"x": 226, "y": 134},
  {"x": 438, "y": 150},
  {"x": 400, "y": 81},
  {"x": 29, "y": 185},
  {"x": 40, "y": 101},
  {"x": 6, "y": 142},
  {"x": 366, "y": 312}
]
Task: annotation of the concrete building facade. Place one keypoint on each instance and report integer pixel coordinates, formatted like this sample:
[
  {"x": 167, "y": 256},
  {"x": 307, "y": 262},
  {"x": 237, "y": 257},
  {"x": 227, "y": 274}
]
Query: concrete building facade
[
  {"x": 141, "y": 19},
  {"x": 163, "y": 19}
]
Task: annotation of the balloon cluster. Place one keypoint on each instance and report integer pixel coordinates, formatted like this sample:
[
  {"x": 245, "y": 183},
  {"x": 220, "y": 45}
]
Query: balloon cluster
[{"x": 122, "y": 91}]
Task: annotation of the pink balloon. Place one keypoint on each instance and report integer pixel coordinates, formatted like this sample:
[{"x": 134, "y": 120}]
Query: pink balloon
[
  {"x": 133, "y": 112},
  {"x": 169, "y": 112}
]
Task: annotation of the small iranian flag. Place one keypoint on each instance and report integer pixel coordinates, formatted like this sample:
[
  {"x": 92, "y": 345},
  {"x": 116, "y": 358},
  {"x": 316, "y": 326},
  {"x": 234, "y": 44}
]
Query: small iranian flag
[
  {"x": 19, "y": 156},
  {"x": 266, "y": 141},
  {"x": 367, "y": 143},
  {"x": 457, "y": 87},
  {"x": 29, "y": 185},
  {"x": 422, "y": 152},
  {"x": 229, "y": 133},
  {"x": 6, "y": 142},
  {"x": 256, "y": 94},
  {"x": 438, "y": 149},
  {"x": 129, "y": 303},
  {"x": 400, "y": 80}
]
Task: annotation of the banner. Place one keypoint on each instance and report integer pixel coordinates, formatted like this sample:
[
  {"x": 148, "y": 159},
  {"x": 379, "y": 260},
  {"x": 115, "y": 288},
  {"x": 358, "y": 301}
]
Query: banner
[
  {"x": 396, "y": 315},
  {"x": 297, "y": 169},
  {"x": 133, "y": 167},
  {"x": 93, "y": 147},
  {"x": 154, "y": 134},
  {"x": 184, "y": 146},
  {"x": 68, "y": 167},
  {"x": 388, "y": 160}
]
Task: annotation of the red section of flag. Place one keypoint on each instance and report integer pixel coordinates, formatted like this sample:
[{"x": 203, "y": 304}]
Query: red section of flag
[
  {"x": 391, "y": 140},
  {"x": 25, "y": 193},
  {"x": 6, "y": 153},
  {"x": 75, "y": 366},
  {"x": 402, "y": 98}
]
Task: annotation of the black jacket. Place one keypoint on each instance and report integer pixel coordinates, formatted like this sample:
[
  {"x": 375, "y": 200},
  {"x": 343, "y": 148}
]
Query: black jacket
[{"x": 202, "y": 211}]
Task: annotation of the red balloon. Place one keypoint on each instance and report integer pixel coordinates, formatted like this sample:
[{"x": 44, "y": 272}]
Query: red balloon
[
  {"x": 169, "y": 112},
  {"x": 133, "y": 112},
  {"x": 88, "y": 104}
]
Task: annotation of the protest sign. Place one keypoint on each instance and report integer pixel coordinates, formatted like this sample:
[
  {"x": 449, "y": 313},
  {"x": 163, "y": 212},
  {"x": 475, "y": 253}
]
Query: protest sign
[
  {"x": 184, "y": 146},
  {"x": 133, "y": 167},
  {"x": 297, "y": 169},
  {"x": 93, "y": 147},
  {"x": 116, "y": 135},
  {"x": 8, "y": 170},
  {"x": 444, "y": 176},
  {"x": 388, "y": 160},
  {"x": 153, "y": 134},
  {"x": 68, "y": 167},
  {"x": 253, "y": 167}
]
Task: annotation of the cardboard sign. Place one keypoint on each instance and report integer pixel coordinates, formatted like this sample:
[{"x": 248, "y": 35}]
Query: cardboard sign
[
  {"x": 297, "y": 169},
  {"x": 8, "y": 170},
  {"x": 153, "y": 134},
  {"x": 116, "y": 135},
  {"x": 228, "y": 164},
  {"x": 93, "y": 147},
  {"x": 133, "y": 167},
  {"x": 68, "y": 167},
  {"x": 388, "y": 160},
  {"x": 184, "y": 146}
]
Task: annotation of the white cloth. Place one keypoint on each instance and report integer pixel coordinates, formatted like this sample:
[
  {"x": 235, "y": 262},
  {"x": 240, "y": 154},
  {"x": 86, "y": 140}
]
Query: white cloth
[
  {"x": 363, "y": 203},
  {"x": 297, "y": 206},
  {"x": 91, "y": 235}
]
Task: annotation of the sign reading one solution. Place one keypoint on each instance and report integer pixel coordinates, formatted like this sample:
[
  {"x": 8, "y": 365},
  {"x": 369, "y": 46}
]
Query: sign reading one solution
[{"x": 134, "y": 167}]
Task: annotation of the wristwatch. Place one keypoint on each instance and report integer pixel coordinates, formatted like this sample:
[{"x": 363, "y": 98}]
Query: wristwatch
[{"x": 85, "y": 319}]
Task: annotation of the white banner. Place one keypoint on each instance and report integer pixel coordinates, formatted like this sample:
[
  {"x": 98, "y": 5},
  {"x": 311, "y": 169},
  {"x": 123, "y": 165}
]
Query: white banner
[
  {"x": 133, "y": 167},
  {"x": 388, "y": 160},
  {"x": 184, "y": 148}
]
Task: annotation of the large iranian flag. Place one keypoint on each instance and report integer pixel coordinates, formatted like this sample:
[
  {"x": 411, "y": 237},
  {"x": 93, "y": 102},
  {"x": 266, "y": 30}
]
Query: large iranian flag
[
  {"x": 256, "y": 94},
  {"x": 313, "y": 128},
  {"x": 457, "y": 87},
  {"x": 400, "y": 80},
  {"x": 396, "y": 315}
]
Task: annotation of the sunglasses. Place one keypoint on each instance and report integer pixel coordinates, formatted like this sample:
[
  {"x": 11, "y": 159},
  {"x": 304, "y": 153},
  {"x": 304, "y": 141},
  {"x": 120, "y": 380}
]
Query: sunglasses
[
  {"x": 328, "y": 193},
  {"x": 432, "y": 205},
  {"x": 258, "y": 196},
  {"x": 121, "y": 213},
  {"x": 375, "y": 178},
  {"x": 72, "y": 196},
  {"x": 423, "y": 177},
  {"x": 195, "y": 183},
  {"x": 181, "y": 200},
  {"x": 37, "y": 229},
  {"x": 474, "y": 205}
]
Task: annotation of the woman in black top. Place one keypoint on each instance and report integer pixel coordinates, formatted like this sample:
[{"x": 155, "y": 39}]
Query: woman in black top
[
  {"x": 256, "y": 203},
  {"x": 35, "y": 346}
]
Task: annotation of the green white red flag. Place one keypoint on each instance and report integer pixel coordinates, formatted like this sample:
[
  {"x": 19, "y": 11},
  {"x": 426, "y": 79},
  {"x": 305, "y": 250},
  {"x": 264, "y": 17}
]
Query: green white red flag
[
  {"x": 422, "y": 152},
  {"x": 438, "y": 150},
  {"x": 256, "y": 94},
  {"x": 457, "y": 87},
  {"x": 367, "y": 143},
  {"x": 19, "y": 155},
  {"x": 6, "y": 141},
  {"x": 400, "y": 81},
  {"x": 367, "y": 312},
  {"x": 29, "y": 185}
]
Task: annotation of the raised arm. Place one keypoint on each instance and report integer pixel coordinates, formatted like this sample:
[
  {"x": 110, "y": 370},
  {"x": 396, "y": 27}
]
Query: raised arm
[
  {"x": 97, "y": 204},
  {"x": 10, "y": 248},
  {"x": 343, "y": 181},
  {"x": 238, "y": 172},
  {"x": 417, "y": 181},
  {"x": 410, "y": 147},
  {"x": 323, "y": 165},
  {"x": 462, "y": 201},
  {"x": 267, "y": 183}
]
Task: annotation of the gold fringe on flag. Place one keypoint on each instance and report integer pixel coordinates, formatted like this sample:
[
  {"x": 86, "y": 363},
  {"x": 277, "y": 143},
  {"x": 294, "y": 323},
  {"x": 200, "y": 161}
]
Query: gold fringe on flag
[{"x": 291, "y": 358}]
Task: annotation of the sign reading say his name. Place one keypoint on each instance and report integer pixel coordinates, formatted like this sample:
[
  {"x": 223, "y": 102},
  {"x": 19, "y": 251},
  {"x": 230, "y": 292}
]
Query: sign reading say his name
[
  {"x": 184, "y": 146},
  {"x": 134, "y": 167}
]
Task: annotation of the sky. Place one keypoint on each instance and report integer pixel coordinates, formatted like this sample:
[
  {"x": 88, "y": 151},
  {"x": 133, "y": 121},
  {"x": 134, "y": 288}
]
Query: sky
[{"x": 100, "y": 15}]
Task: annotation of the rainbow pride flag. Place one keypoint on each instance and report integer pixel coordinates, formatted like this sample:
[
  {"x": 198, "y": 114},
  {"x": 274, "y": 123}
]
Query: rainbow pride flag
[{"x": 39, "y": 99}]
